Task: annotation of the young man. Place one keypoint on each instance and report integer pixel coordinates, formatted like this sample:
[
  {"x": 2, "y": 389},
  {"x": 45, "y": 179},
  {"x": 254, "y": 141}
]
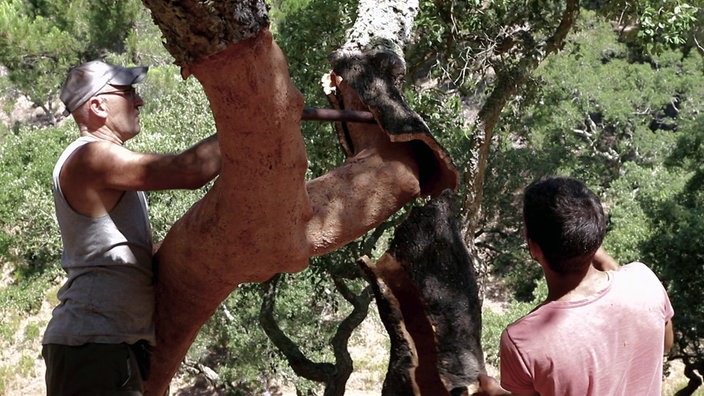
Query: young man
[
  {"x": 602, "y": 329},
  {"x": 98, "y": 338}
]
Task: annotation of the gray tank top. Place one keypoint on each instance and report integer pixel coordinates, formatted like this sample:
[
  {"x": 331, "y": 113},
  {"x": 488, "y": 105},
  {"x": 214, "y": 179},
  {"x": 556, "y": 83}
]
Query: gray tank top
[{"x": 109, "y": 294}]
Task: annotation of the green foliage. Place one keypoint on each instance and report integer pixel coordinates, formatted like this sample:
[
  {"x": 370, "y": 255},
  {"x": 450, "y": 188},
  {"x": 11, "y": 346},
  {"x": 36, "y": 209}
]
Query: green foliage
[
  {"x": 41, "y": 40},
  {"x": 659, "y": 25},
  {"x": 668, "y": 26},
  {"x": 432, "y": 31},
  {"x": 9, "y": 325},
  {"x": 601, "y": 118},
  {"x": 5, "y": 374},
  {"x": 630, "y": 126},
  {"x": 29, "y": 239},
  {"x": 459, "y": 43},
  {"x": 297, "y": 24},
  {"x": 232, "y": 341},
  {"x": 674, "y": 247},
  {"x": 143, "y": 43},
  {"x": 439, "y": 110},
  {"x": 494, "y": 322},
  {"x": 31, "y": 47},
  {"x": 307, "y": 310}
]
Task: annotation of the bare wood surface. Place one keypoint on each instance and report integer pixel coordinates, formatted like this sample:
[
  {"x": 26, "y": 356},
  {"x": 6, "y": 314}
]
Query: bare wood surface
[{"x": 261, "y": 216}]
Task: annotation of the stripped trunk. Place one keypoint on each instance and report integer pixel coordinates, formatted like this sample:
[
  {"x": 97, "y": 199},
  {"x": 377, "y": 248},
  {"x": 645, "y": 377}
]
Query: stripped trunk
[{"x": 261, "y": 217}]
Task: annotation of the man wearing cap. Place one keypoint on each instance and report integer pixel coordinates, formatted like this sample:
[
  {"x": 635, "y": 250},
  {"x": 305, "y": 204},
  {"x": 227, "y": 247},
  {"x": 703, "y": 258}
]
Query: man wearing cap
[{"x": 98, "y": 338}]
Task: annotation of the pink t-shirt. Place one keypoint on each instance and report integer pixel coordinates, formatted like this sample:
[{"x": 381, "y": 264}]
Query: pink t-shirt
[{"x": 609, "y": 344}]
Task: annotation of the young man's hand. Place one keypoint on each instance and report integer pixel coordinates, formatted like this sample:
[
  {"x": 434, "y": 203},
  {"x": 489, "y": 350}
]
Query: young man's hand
[{"x": 489, "y": 386}]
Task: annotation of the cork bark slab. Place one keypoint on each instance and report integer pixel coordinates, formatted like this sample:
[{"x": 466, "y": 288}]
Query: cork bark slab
[
  {"x": 375, "y": 77},
  {"x": 428, "y": 299}
]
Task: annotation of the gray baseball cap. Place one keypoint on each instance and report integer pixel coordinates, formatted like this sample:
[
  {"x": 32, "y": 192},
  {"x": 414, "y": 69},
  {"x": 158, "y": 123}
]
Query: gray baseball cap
[{"x": 84, "y": 81}]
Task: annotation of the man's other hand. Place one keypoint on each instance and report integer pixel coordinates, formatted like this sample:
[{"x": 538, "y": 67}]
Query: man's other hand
[{"x": 489, "y": 386}]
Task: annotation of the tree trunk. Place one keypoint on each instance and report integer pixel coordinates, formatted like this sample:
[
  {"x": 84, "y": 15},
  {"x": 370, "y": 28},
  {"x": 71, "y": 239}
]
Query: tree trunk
[
  {"x": 428, "y": 299},
  {"x": 261, "y": 217}
]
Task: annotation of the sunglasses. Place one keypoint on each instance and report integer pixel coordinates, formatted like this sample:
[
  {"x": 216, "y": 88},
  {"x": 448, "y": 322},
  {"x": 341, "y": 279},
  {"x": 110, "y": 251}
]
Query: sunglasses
[{"x": 129, "y": 93}]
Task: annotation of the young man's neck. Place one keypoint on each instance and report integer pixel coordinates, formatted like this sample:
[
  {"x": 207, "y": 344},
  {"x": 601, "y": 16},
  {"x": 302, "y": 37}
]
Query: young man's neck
[{"x": 574, "y": 287}]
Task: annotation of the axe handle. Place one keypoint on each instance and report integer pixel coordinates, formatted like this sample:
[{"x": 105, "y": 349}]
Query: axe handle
[{"x": 310, "y": 114}]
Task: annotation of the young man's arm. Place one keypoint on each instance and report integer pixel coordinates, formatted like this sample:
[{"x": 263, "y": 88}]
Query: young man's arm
[
  {"x": 669, "y": 336},
  {"x": 603, "y": 262}
]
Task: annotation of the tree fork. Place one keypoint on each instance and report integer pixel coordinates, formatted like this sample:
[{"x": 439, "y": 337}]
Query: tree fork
[{"x": 261, "y": 216}]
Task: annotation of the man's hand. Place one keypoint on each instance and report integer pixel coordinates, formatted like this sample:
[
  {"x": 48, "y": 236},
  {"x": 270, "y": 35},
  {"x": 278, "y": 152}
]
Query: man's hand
[{"x": 489, "y": 386}]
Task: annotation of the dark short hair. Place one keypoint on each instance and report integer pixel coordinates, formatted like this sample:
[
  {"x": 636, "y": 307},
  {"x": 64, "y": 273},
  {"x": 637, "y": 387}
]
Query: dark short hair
[{"x": 566, "y": 220}]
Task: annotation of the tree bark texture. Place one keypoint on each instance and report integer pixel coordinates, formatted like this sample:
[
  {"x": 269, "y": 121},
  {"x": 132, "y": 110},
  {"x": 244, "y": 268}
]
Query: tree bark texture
[
  {"x": 375, "y": 75},
  {"x": 428, "y": 299},
  {"x": 261, "y": 216},
  {"x": 195, "y": 29},
  {"x": 371, "y": 64}
]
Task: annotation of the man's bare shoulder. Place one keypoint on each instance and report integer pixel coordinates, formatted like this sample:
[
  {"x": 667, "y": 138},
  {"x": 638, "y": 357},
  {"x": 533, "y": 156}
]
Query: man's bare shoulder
[
  {"x": 99, "y": 151},
  {"x": 99, "y": 159}
]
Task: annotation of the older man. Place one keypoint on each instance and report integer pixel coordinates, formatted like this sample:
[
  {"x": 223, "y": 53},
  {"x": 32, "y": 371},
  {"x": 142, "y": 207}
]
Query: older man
[{"x": 98, "y": 339}]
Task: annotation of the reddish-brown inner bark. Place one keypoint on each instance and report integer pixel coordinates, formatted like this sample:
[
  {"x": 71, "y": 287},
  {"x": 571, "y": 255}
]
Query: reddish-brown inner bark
[{"x": 261, "y": 217}]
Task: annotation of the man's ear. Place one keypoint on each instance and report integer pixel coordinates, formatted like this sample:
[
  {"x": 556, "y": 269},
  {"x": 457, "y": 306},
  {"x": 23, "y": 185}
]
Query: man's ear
[
  {"x": 98, "y": 107},
  {"x": 536, "y": 253}
]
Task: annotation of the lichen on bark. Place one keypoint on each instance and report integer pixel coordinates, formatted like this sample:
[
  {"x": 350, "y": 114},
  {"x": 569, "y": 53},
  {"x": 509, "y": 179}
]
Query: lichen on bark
[{"x": 194, "y": 29}]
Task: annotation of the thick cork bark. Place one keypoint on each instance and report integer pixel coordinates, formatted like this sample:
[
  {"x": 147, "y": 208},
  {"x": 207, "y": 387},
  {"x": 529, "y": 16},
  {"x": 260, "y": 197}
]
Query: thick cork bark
[{"x": 427, "y": 295}]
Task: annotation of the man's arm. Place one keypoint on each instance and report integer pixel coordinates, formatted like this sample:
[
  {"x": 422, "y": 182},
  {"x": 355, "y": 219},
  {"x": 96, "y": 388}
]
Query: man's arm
[
  {"x": 669, "y": 336},
  {"x": 95, "y": 176},
  {"x": 603, "y": 262},
  {"x": 111, "y": 166},
  {"x": 117, "y": 168}
]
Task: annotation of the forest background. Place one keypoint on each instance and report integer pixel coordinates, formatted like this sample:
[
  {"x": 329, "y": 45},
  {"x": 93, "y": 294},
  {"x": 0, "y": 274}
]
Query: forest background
[{"x": 619, "y": 107}]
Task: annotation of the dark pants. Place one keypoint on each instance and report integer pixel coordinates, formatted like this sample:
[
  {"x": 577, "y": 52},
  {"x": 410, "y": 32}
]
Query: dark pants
[{"x": 92, "y": 369}]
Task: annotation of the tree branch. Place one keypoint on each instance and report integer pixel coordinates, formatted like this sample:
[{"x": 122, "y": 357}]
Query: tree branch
[
  {"x": 196, "y": 29},
  {"x": 340, "y": 341},
  {"x": 301, "y": 365},
  {"x": 333, "y": 376}
]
